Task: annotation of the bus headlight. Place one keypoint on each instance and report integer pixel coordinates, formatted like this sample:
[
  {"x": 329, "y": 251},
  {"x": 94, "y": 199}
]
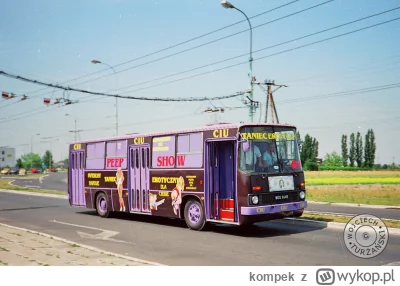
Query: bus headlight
[
  {"x": 302, "y": 195},
  {"x": 254, "y": 200}
]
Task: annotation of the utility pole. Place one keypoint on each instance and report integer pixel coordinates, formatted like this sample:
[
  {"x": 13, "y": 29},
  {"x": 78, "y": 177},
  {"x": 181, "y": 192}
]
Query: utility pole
[
  {"x": 270, "y": 103},
  {"x": 75, "y": 131}
]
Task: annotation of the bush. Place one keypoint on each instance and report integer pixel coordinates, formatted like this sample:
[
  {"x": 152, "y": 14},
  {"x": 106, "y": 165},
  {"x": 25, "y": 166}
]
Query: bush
[{"x": 311, "y": 166}]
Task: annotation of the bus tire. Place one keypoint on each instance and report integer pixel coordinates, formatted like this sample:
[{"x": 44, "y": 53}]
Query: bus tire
[
  {"x": 298, "y": 213},
  {"x": 194, "y": 215},
  {"x": 101, "y": 205}
]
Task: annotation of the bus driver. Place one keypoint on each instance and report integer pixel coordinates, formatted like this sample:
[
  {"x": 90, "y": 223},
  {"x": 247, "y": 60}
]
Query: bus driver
[{"x": 269, "y": 156}]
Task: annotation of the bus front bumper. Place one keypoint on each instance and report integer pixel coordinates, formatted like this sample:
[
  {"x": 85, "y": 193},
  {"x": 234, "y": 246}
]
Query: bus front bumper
[{"x": 259, "y": 210}]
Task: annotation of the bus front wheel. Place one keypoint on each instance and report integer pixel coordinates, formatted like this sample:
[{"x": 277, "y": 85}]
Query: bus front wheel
[
  {"x": 194, "y": 215},
  {"x": 298, "y": 213},
  {"x": 101, "y": 205}
]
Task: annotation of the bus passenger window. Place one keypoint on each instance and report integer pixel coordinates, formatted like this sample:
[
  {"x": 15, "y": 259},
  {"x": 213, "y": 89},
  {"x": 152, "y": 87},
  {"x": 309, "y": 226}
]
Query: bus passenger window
[
  {"x": 148, "y": 157},
  {"x": 143, "y": 159},
  {"x": 132, "y": 166}
]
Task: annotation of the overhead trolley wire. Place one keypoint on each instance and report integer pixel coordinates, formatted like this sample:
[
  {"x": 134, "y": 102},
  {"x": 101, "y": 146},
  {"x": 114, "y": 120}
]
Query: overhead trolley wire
[
  {"x": 176, "y": 45},
  {"x": 195, "y": 99},
  {"x": 333, "y": 37}
]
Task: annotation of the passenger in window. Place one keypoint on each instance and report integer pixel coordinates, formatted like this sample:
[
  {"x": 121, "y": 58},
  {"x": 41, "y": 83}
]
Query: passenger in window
[{"x": 253, "y": 158}]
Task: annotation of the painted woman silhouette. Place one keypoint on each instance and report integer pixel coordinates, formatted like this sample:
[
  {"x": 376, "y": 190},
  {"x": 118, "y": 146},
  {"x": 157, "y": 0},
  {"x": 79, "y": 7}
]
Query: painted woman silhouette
[
  {"x": 176, "y": 195},
  {"x": 119, "y": 181}
]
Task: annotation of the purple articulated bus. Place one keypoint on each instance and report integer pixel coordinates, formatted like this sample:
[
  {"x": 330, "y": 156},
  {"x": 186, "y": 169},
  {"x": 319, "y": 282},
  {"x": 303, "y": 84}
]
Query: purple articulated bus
[{"x": 224, "y": 173}]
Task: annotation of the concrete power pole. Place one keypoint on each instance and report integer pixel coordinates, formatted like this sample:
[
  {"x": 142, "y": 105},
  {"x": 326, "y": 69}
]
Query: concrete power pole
[{"x": 270, "y": 103}]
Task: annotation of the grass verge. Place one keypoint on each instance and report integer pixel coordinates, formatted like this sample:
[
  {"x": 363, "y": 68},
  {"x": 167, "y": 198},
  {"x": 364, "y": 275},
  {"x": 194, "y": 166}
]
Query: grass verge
[
  {"x": 352, "y": 177},
  {"x": 4, "y": 185},
  {"x": 356, "y": 194},
  {"x": 344, "y": 219}
]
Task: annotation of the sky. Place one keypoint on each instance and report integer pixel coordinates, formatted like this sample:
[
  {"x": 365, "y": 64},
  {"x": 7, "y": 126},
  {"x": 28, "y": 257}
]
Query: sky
[{"x": 344, "y": 85}]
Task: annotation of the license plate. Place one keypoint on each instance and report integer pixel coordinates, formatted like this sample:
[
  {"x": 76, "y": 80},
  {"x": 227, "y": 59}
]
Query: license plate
[{"x": 281, "y": 197}]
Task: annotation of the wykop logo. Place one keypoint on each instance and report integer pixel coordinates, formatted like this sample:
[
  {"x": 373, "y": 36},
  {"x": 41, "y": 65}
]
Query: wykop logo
[{"x": 325, "y": 276}]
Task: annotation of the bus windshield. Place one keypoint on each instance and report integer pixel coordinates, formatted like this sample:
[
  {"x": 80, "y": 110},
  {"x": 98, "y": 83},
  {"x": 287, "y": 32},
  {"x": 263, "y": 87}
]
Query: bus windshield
[{"x": 272, "y": 150}]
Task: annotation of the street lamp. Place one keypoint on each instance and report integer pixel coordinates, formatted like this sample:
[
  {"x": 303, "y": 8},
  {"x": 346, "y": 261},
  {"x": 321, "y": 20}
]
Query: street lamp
[
  {"x": 94, "y": 61},
  {"x": 51, "y": 146},
  {"x": 32, "y": 148},
  {"x": 228, "y": 5}
]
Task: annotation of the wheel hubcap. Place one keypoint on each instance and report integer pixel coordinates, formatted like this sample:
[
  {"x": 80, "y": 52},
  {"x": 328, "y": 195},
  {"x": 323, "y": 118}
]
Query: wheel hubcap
[
  {"x": 194, "y": 213},
  {"x": 103, "y": 204}
]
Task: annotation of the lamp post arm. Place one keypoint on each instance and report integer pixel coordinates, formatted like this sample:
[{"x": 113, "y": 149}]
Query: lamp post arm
[
  {"x": 109, "y": 66},
  {"x": 251, "y": 33}
]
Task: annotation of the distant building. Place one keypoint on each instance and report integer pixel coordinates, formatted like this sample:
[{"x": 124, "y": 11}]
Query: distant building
[{"x": 7, "y": 157}]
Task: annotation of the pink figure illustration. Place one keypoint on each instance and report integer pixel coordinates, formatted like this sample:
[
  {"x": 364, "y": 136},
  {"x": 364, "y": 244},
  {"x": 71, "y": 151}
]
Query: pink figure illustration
[
  {"x": 176, "y": 195},
  {"x": 119, "y": 181}
]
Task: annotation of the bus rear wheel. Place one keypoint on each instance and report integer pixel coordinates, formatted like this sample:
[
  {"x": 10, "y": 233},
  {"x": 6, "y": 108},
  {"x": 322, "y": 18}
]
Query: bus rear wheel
[
  {"x": 194, "y": 215},
  {"x": 101, "y": 205}
]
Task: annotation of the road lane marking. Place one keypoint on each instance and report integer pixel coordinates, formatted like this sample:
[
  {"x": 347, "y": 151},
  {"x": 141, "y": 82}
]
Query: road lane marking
[
  {"x": 86, "y": 246},
  {"x": 394, "y": 263},
  {"x": 103, "y": 235}
]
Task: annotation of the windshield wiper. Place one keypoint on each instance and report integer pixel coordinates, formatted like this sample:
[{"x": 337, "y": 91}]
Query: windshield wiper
[{"x": 284, "y": 166}]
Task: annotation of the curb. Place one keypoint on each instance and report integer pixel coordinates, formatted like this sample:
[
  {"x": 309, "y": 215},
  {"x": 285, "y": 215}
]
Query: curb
[
  {"x": 35, "y": 194},
  {"x": 342, "y": 214},
  {"x": 357, "y": 205},
  {"x": 150, "y": 263},
  {"x": 331, "y": 225}
]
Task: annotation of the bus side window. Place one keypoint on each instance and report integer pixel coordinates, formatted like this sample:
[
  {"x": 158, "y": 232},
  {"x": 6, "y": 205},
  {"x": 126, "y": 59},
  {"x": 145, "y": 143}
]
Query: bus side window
[
  {"x": 148, "y": 157},
  {"x": 137, "y": 158},
  {"x": 143, "y": 159},
  {"x": 132, "y": 166}
]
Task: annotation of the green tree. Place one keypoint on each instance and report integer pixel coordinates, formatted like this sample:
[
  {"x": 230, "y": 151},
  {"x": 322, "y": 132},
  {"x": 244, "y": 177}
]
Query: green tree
[
  {"x": 345, "y": 153},
  {"x": 48, "y": 159},
  {"x": 309, "y": 153},
  {"x": 19, "y": 163},
  {"x": 66, "y": 163},
  {"x": 333, "y": 160},
  {"x": 31, "y": 159},
  {"x": 352, "y": 151},
  {"x": 359, "y": 150},
  {"x": 367, "y": 151},
  {"x": 371, "y": 147}
]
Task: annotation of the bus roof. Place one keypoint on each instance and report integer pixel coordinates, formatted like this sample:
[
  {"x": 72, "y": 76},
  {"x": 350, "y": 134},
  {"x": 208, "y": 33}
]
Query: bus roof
[{"x": 179, "y": 131}]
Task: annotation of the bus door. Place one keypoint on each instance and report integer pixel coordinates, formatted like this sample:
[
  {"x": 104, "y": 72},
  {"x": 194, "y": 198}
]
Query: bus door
[
  {"x": 77, "y": 159},
  {"x": 221, "y": 180},
  {"x": 139, "y": 188}
]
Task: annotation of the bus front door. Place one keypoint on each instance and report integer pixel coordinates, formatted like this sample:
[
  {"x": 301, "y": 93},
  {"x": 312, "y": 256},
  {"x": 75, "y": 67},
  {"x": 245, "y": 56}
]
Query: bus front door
[
  {"x": 221, "y": 178},
  {"x": 139, "y": 188}
]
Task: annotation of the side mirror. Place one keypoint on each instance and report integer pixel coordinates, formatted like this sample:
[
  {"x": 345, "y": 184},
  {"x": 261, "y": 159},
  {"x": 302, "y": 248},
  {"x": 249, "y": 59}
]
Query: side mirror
[{"x": 246, "y": 146}]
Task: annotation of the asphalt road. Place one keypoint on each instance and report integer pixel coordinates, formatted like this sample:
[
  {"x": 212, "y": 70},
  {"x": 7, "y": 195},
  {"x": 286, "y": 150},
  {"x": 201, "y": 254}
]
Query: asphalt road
[
  {"x": 169, "y": 241},
  {"x": 52, "y": 181},
  {"x": 58, "y": 181}
]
